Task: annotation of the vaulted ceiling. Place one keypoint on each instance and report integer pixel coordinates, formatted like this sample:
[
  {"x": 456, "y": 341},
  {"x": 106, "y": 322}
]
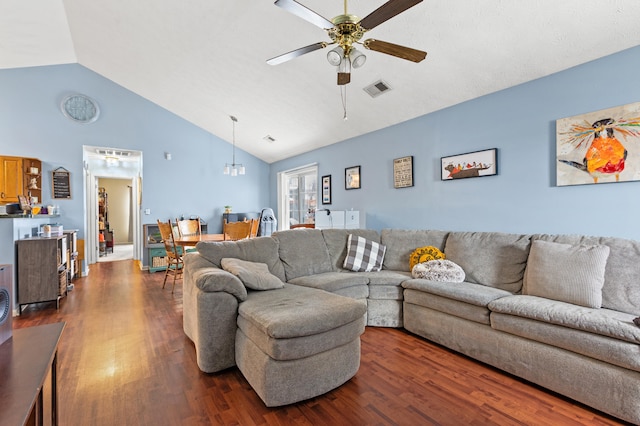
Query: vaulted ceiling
[{"x": 204, "y": 60}]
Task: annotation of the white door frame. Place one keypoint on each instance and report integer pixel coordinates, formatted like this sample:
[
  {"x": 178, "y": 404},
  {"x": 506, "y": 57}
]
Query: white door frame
[{"x": 91, "y": 213}]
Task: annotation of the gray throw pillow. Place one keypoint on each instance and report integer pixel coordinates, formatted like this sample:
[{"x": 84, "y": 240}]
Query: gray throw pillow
[
  {"x": 253, "y": 275},
  {"x": 363, "y": 255},
  {"x": 565, "y": 272}
]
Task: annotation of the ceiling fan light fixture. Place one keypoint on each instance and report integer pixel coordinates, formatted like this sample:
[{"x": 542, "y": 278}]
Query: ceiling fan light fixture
[
  {"x": 335, "y": 55},
  {"x": 357, "y": 58}
]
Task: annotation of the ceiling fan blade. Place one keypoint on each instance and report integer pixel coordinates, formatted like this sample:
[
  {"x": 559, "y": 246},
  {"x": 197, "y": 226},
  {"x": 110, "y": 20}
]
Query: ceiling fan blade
[
  {"x": 295, "y": 53},
  {"x": 395, "y": 50},
  {"x": 386, "y": 12},
  {"x": 305, "y": 13}
]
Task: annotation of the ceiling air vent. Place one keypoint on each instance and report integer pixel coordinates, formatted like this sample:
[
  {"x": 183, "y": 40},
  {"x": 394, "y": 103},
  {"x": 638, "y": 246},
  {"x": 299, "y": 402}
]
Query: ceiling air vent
[{"x": 377, "y": 88}]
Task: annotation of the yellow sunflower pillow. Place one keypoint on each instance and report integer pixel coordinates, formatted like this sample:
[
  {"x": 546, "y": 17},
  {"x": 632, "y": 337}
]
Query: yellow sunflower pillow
[{"x": 424, "y": 254}]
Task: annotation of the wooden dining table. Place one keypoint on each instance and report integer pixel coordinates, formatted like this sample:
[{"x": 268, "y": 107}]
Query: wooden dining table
[{"x": 194, "y": 239}]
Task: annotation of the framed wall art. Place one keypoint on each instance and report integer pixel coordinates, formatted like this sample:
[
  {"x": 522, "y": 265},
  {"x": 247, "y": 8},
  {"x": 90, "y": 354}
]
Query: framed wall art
[
  {"x": 326, "y": 189},
  {"x": 471, "y": 164},
  {"x": 352, "y": 177},
  {"x": 599, "y": 147},
  {"x": 403, "y": 172}
]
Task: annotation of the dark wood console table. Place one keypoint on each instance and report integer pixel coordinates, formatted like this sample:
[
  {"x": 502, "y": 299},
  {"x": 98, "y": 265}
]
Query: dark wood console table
[{"x": 28, "y": 388}]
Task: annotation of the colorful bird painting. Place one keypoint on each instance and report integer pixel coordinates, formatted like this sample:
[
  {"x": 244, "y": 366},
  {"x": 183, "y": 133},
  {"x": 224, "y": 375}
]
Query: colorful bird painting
[{"x": 604, "y": 154}]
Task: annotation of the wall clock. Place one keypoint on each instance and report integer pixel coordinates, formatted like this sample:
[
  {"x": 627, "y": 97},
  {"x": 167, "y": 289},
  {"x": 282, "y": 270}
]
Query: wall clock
[{"x": 80, "y": 108}]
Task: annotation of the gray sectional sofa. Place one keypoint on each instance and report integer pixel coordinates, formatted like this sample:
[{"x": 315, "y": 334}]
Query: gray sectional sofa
[{"x": 556, "y": 310}]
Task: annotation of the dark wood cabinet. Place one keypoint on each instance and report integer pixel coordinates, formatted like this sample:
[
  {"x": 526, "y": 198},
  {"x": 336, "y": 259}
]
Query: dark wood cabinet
[
  {"x": 28, "y": 389},
  {"x": 42, "y": 275}
]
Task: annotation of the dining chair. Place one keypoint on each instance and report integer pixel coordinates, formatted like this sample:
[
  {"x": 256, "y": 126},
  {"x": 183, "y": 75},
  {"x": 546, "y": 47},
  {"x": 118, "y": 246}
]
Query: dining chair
[
  {"x": 255, "y": 223},
  {"x": 234, "y": 231},
  {"x": 174, "y": 253},
  {"x": 188, "y": 228}
]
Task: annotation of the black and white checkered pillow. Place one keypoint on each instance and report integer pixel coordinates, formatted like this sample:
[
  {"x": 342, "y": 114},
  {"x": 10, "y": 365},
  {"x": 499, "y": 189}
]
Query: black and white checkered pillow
[{"x": 363, "y": 255}]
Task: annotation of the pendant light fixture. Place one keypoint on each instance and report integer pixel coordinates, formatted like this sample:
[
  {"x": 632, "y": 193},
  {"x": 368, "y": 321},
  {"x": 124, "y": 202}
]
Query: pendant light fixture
[{"x": 234, "y": 169}]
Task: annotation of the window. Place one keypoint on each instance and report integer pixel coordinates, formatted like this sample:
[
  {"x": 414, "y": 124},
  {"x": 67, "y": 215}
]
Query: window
[{"x": 297, "y": 196}]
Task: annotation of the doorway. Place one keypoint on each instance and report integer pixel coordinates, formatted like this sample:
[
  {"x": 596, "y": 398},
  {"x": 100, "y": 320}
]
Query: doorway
[
  {"x": 112, "y": 164},
  {"x": 115, "y": 219}
]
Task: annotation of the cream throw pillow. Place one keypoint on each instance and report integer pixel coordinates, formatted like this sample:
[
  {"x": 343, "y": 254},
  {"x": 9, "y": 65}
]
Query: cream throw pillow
[
  {"x": 253, "y": 275},
  {"x": 565, "y": 272}
]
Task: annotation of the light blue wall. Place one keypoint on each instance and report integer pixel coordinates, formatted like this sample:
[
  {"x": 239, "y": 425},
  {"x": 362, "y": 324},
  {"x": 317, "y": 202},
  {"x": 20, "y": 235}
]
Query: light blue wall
[
  {"x": 192, "y": 183},
  {"x": 523, "y": 198}
]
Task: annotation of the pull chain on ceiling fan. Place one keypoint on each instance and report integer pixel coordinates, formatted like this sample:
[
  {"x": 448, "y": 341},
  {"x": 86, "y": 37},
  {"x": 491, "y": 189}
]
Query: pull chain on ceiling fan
[{"x": 346, "y": 30}]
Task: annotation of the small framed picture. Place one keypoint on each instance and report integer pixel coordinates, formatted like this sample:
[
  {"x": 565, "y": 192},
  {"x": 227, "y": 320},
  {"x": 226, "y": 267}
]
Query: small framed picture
[
  {"x": 403, "y": 172},
  {"x": 470, "y": 165},
  {"x": 326, "y": 189},
  {"x": 352, "y": 177}
]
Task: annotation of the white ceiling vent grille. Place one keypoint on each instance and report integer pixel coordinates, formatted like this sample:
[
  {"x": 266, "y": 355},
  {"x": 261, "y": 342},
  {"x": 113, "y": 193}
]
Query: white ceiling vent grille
[{"x": 378, "y": 88}]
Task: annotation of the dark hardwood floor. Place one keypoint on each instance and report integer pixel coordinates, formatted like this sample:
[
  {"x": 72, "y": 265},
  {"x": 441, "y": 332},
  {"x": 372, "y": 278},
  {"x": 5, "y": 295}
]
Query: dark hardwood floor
[{"x": 124, "y": 360}]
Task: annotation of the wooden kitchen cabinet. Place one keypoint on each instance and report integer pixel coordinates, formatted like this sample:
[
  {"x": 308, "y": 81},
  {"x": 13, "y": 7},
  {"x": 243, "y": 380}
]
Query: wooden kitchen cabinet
[{"x": 11, "y": 179}]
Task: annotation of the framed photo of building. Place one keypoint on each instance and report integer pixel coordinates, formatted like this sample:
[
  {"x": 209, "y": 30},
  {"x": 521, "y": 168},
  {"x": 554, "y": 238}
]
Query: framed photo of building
[
  {"x": 352, "y": 177},
  {"x": 403, "y": 172},
  {"x": 326, "y": 189}
]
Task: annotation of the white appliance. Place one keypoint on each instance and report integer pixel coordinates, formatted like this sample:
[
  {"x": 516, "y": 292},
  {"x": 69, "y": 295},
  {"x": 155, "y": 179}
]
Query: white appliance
[{"x": 337, "y": 219}]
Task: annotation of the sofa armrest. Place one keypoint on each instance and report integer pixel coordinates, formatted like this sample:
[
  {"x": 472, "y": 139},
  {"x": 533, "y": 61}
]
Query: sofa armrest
[
  {"x": 204, "y": 275},
  {"x": 214, "y": 279}
]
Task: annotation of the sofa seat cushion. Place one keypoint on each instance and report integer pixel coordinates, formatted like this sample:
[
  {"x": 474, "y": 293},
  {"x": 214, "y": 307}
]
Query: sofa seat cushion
[
  {"x": 473, "y": 294},
  {"x": 464, "y": 300},
  {"x": 303, "y": 346},
  {"x": 386, "y": 277},
  {"x": 493, "y": 259},
  {"x": 331, "y": 281},
  {"x": 296, "y": 311},
  {"x": 603, "y": 348},
  {"x": 262, "y": 250},
  {"x": 605, "y": 322}
]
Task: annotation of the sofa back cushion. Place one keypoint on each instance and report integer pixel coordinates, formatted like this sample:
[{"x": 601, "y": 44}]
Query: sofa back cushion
[
  {"x": 336, "y": 241},
  {"x": 566, "y": 272},
  {"x": 401, "y": 242},
  {"x": 303, "y": 252},
  {"x": 262, "y": 250},
  {"x": 621, "y": 290},
  {"x": 493, "y": 259}
]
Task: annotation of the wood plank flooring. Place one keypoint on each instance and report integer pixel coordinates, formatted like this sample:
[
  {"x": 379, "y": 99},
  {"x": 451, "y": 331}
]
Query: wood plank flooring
[{"x": 124, "y": 360}]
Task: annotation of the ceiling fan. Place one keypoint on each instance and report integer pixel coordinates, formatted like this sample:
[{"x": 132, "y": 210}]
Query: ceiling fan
[{"x": 346, "y": 30}]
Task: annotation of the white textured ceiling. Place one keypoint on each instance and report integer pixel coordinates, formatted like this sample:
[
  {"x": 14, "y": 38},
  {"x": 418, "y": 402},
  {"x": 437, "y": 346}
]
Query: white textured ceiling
[{"x": 205, "y": 59}]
